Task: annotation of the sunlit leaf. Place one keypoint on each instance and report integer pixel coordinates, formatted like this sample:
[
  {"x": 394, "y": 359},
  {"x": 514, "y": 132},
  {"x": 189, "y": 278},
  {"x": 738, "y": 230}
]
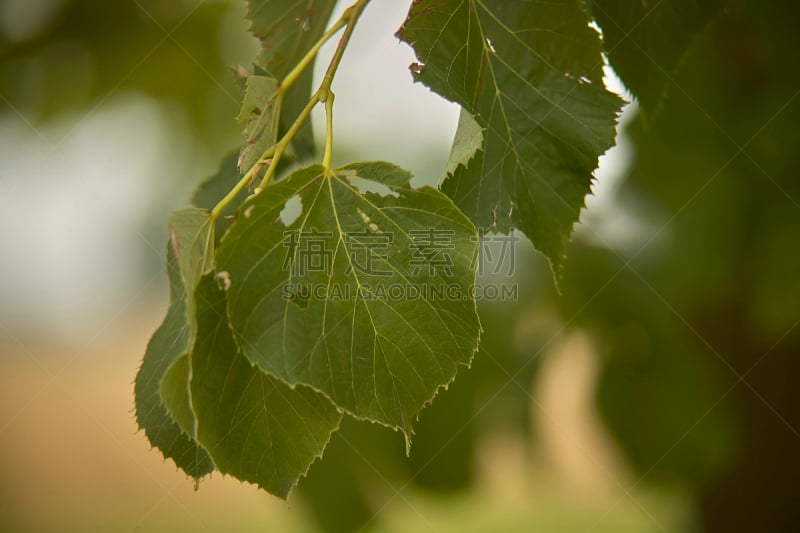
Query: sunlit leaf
[{"x": 311, "y": 301}]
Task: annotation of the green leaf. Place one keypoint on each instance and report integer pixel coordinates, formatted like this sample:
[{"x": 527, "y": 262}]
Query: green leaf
[
  {"x": 531, "y": 74},
  {"x": 176, "y": 396},
  {"x": 191, "y": 233},
  {"x": 169, "y": 342},
  {"x": 192, "y": 239},
  {"x": 287, "y": 30},
  {"x": 259, "y": 118},
  {"x": 375, "y": 354},
  {"x": 646, "y": 41},
  {"x": 256, "y": 427},
  {"x": 467, "y": 142}
]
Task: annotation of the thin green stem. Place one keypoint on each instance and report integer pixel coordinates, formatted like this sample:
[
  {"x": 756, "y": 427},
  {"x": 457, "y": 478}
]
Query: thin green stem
[
  {"x": 247, "y": 178},
  {"x": 349, "y": 18},
  {"x": 283, "y": 144},
  {"x": 295, "y": 73},
  {"x": 326, "y": 159},
  {"x": 351, "y": 14},
  {"x": 325, "y": 94}
]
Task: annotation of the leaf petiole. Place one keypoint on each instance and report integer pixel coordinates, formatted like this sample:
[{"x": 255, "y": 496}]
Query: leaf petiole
[
  {"x": 326, "y": 158},
  {"x": 352, "y": 15}
]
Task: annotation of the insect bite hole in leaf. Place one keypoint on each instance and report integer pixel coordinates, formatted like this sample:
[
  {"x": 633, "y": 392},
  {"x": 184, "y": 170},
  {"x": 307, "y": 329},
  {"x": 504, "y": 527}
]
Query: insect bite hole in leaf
[
  {"x": 291, "y": 210},
  {"x": 365, "y": 186}
]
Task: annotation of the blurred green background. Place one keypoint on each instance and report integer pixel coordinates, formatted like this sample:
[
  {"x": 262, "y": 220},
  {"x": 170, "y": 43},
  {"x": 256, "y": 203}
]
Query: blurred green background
[{"x": 655, "y": 393}]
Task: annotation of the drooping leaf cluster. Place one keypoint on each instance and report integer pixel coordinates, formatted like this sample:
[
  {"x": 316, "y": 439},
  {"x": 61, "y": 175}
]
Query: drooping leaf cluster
[{"x": 332, "y": 293}]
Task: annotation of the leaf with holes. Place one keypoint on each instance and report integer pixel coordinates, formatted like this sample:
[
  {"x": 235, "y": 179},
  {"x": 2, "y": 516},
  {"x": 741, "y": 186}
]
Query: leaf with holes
[
  {"x": 530, "y": 73},
  {"x": 354, "y": 284}
]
